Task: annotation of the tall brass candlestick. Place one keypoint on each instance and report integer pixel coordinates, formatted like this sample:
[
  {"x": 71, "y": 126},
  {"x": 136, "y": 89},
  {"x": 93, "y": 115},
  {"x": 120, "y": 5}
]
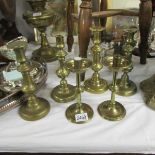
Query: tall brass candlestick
[
  {"x": 35, "y": 108},
  {"x": 96, "y": 84},
  {"x": 79, "y": 112},
  {"x": 64, "y": 92},
  {"x": 111, "y": 109},
  {"x": 124, "y": 86}
]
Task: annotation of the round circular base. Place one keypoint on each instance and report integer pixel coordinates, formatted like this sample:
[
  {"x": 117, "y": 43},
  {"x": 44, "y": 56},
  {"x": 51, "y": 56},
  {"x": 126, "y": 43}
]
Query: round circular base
[
  {"x": 94, "y": 88},
  {"x": 63, "y": 97},
  {"x": 48, "y": 53},
  {"x": 73, "y": 110},
  {"x": 128, "y": 90},
  {"x": 111, "y": 112},
  {"x": 37, "y": 113}
]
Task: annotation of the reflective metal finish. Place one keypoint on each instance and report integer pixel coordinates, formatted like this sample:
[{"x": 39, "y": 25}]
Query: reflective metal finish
[
  {"x": 64, "y": 92},
  {"x": 41, "y": 20},
  {"x": 35, "y": 108},
  {"x": 112, "y": 110},
  {"x": 78, "y": 66},
  {"x": 96, "y": 84},
  {"x": 124, "y": 86}
]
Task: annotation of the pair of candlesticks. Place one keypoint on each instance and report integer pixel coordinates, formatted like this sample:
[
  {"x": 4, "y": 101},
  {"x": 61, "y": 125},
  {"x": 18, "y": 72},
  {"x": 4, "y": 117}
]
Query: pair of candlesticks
[{"x": 36, "y": 108}]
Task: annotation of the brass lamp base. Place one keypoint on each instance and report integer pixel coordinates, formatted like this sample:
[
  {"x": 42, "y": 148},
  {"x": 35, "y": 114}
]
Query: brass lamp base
[
  {"x": 111, "y": 112},
  {"x": 48, "y": 53},
  {"x": 64, "y": 96},
  {"x": 148, "y": 88},
  {"x": 126, "y": 90},
  {"x": 73, "y": 110},
  {"x": 35, "y": 111},
  {"x": 95, "y": 88}
]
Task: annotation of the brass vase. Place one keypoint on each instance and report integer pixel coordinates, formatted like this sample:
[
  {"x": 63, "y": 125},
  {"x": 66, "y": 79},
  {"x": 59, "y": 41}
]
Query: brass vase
[
  {"x": 96, "y": 84},
  {"x": 64, "y": 92},
  {"x": 35, "y": 108}
]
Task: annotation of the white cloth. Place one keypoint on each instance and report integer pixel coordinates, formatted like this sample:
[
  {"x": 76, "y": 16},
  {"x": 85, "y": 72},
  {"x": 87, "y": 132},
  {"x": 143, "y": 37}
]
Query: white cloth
[{"x": 54, "y": 133}]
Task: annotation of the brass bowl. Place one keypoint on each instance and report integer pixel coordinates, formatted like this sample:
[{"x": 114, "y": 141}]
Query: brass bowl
[
  {"x": 116, "y": 62},
  {"x": 43, "y": 20},
  {"x": 78, "y": 66}
]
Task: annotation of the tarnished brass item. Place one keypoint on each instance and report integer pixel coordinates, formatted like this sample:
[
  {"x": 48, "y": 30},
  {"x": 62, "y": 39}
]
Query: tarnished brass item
[
  {"x": 35, "y": 108},
  {"x": 41, "y": 20},
  {"x": 64, "y": 92},
  {"x": 96, "y": 84},
  {"x": 148, "y": 88},
  {"x": 124, "y": 86},
  {"x": 111, "y": 109},
  {"x": 79, "y": 66}
]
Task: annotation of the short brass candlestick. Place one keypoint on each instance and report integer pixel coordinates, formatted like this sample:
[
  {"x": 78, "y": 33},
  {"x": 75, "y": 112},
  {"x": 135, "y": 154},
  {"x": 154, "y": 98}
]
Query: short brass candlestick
[
  {"x": 79, "y": 109},
  {"x": 40, "y": 21},
  {"x": 35, "y": 108},
  {"x": 96, "y": 84},
  {"x": 126, "y": 87},
  {"x": 111, "y": 109},
  {"x": 64, "y": 92}
]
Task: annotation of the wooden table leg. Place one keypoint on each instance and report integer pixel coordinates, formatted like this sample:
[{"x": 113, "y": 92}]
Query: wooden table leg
[
  {"x": 84, "y": 23},
  {"x": 145, "y": 19},
  {"x": 70, "y": 24},
  {"x": 103, "y": 7}
]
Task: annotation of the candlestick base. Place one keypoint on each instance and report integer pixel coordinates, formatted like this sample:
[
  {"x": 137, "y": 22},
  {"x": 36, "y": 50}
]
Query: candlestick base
[
  {"x": 48, "y": 53},
  {"x": 112, "y": 112},
  {"x": 74, "y": 109},
  {"x": 96, "y": 87},
  {"x": 128, "y": 89},
  {"x": 34, "y": 111},
  {"x": 63, "y": 96}
]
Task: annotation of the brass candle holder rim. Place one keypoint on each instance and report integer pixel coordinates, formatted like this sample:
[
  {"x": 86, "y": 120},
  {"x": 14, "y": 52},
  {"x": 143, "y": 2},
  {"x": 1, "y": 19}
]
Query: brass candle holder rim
[
  {"x": 19, "y": 42},
  {"x": 121, "y": 62},
  {"x": 85, "y": 64}
]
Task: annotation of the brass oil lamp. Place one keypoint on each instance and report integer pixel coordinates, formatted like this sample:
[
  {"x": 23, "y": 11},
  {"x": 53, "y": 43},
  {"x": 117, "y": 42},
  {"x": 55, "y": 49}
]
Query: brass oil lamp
[
  {"x": 79, "y": 112},
  {"x": 96, "y": 84},
  {"x": 41, "y": 20},
  {"x": 35, "y": 108},
  {"x": 64, "y": 92}
]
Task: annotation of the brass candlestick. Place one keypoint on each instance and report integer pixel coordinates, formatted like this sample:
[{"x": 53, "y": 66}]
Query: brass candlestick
[
  {"x": 79, "y": 112},
  {"x": 96, "y": 84},
  {"x": 64, "y": 92},
  {"x": 124, "y": 86},
  {"x": 111, "y": 109},
  {"x": 41, "y": 20},
  {"x": 35, "y": 108}
]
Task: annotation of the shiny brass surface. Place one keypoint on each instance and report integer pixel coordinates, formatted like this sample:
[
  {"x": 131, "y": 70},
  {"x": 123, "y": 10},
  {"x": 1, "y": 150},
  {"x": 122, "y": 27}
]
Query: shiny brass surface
[
  {"x": 64, "y": 92},
  {"x": 41, "y": 21},
  {"x": 111, "y": 112},
  {"x": 35, "y": 108},
  {"x": 96, "y": 84},
  {"x": 78, "y": 66},
  {"x": 116, "y": 62},
  {"x": 124, "y": 86},
  {"x": 111, "y": 109},
  {"x": 148, "y": 88}
]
